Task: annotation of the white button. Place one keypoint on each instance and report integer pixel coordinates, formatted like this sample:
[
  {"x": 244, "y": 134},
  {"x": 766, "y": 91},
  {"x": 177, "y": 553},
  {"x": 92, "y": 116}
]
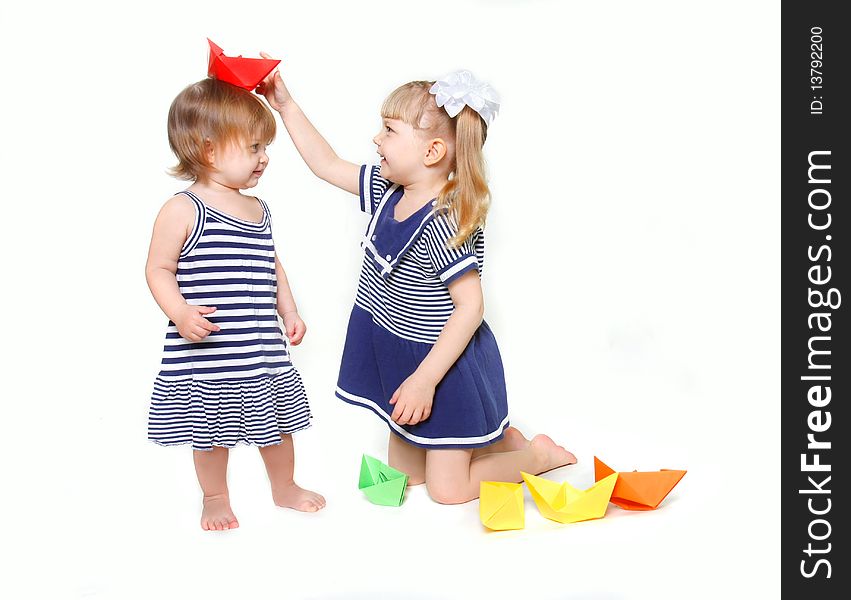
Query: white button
[
  {"x": 389, "y": 257},
  {"x": 374, "y": 237},
  {"x": 434, "y": 202}
]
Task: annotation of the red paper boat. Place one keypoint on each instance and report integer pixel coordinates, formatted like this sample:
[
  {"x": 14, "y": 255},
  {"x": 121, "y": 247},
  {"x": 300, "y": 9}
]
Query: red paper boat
[
  {"x": 639, "y": 490},
  {"x": 243, "y": 72}
]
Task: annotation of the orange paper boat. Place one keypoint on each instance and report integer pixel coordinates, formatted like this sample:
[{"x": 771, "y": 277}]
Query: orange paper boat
[
  {"x": 243, "y": 72},
  {"x": 639, "y": 490}
]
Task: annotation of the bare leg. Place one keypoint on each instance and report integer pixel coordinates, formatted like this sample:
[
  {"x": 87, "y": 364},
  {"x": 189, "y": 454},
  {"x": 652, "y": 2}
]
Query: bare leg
[
  {"x": 211, "y": 468},
  {"x": 280, "y": 463},
  {"x": 407, "y": 458},
  {"x": 511, "y": 440},
  {"x": 453, "y": 476}
]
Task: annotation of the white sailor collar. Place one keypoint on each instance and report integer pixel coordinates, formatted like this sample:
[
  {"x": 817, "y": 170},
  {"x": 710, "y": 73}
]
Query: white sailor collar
[{"x": 387, "y": 239}]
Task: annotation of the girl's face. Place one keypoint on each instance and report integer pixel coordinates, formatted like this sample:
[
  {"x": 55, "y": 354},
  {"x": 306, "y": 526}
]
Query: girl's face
[
  {"x": 401, "y": 150},
  {"x": 239, "y": 165}
]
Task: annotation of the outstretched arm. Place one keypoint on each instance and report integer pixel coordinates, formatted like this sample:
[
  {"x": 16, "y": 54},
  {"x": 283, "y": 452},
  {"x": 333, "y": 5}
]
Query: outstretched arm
[{"x": 316, "y": 152}]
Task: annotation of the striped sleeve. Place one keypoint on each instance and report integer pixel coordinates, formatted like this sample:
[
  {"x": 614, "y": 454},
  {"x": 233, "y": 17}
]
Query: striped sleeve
[
  {"x": 449, "y": 263},
  {"x": 371, "y": 187}
]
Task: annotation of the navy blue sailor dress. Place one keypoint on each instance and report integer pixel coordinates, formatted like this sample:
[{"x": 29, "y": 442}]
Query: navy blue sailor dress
[{"x": 401, "y": 306}]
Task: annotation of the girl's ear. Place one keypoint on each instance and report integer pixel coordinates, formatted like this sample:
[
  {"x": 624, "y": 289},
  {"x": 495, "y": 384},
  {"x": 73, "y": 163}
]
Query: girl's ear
[
  {"x": 435, "y": 153},
  {"x": 209, "y": 151}
]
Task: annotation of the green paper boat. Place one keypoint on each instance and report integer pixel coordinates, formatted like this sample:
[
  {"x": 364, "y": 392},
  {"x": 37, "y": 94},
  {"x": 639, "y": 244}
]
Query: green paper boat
[{"x": 381, "y": 483}]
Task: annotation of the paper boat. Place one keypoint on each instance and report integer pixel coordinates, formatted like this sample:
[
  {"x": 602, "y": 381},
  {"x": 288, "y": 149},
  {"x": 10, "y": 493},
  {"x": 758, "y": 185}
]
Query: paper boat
[
  {"x": 639, "y": 490},
  {"x": 243, "y": 72},
  {"x": 501, "y": 505},
  {"x": 564, "y": 503},
  {"x": 381, "y": 483}
]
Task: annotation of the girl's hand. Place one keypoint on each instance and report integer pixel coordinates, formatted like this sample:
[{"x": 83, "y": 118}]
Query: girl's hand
[
  {"x": 413, "y": 401},
  {"x": 294, "y": 326},
  {"x": 273, "y": 88},
  {"x": 190, "y": 323}
]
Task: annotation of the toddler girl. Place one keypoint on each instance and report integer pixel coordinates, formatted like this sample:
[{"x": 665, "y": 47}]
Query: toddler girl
[
  {"x": 417, "y": 351},
  {"x": 226, "y": 375}
]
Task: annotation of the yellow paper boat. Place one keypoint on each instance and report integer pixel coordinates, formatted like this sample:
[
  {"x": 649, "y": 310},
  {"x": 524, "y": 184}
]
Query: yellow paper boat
[
  {"x": 564, "y": 503},
  {"x": 501, "y": 505}
]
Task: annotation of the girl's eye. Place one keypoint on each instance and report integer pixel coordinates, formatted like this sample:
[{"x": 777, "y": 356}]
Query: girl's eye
[
  {"x": 388, "y": 128},
  {"x": 254, "y": 147}
]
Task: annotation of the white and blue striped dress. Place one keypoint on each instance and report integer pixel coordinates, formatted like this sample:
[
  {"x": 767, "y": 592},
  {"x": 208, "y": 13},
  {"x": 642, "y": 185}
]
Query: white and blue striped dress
[
  {"x": 238, "y": 384},
  {"x": 401, "y": 306}
]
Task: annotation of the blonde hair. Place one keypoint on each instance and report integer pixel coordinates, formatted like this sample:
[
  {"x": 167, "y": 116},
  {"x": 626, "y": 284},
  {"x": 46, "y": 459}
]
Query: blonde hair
[
  {"x": 466, "y": 193},
  {"x": 213, "y": 112}
]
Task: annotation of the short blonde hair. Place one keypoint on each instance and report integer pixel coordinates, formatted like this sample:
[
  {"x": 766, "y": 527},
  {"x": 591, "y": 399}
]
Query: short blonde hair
[
  {"x": 466, "y": 194},
  {"x": 213, "y": 112}
]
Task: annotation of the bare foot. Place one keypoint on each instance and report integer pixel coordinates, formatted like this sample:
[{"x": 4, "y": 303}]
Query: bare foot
[
  {"x": 217, "y": 514},
  {"x": 514, "y": 440},
  {"x": 550, "y": 454},
  {"x": 292, "y": 496}
]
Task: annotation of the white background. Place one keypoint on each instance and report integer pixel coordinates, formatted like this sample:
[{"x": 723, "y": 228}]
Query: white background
[{"x": 632, "y": 280}]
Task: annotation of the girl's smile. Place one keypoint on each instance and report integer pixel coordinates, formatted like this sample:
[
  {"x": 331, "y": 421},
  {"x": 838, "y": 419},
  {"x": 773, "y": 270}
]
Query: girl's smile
[
  {"x": 240, "y": 165},
  {"x": 400, "y": 150}
]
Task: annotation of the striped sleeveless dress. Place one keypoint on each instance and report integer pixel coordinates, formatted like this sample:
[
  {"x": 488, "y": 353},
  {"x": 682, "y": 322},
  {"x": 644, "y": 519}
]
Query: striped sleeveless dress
[
  {"x": 238, "y": 384},
  {"x": 402, "y": 305}
]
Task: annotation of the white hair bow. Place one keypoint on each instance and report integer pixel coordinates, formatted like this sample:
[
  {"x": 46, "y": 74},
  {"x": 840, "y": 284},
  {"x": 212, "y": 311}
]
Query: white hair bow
[{"x": 461, "y": 88}]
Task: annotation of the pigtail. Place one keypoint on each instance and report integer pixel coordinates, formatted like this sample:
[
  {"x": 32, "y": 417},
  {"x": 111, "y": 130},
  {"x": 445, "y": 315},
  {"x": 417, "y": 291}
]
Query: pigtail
[{"x": 466, "y": 193}]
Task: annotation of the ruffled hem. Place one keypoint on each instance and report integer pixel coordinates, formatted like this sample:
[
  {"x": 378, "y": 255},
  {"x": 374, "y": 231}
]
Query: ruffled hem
[{"x": 207, "y": 413}]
